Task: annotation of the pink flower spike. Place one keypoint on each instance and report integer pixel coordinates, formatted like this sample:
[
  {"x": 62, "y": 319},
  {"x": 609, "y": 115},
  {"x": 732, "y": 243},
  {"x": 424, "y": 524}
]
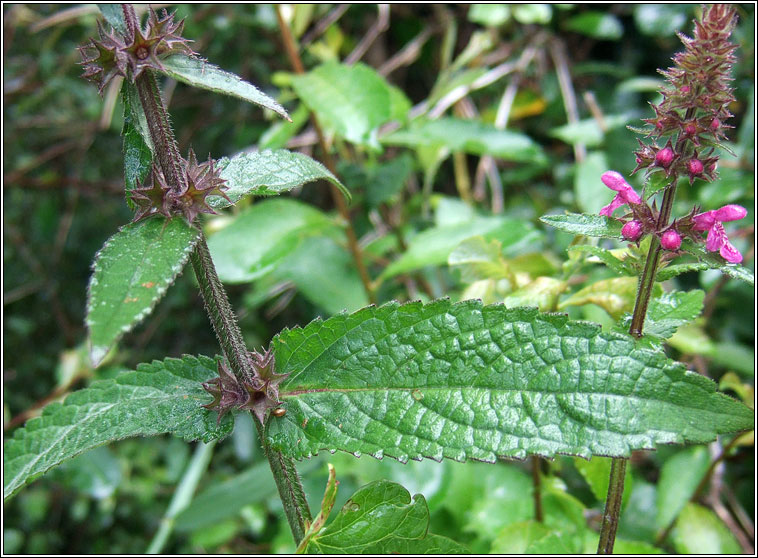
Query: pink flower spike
[
  {"x": 730, "y": 212},
  {"x": 670, "y": 240}
]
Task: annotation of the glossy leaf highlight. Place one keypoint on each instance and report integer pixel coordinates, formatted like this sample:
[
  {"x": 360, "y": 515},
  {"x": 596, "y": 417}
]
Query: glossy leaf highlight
[
  {"x": 467, "y": 381},
  {"x": 131, "y": 273},
  {"x": 157, "y": 398}
]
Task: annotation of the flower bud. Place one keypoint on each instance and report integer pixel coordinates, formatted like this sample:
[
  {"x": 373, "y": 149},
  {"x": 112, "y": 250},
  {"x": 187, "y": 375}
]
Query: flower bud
[
  {"x": 664, "y": 157},
  {"x": 670, "y": 240},
  {"x": 715, "y": 124},
  {"x": 685, "y": 89},
  {"x": 695, "y": 166},
  {"x": 632, "y": 231},
  {"x": 690, "y": 129}
]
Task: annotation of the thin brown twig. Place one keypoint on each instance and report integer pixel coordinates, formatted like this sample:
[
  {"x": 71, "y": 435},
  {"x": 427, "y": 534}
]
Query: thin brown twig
[
  {"x": 297, "y": 64},
  {"x": 323, "y": 24},
  {"x": 408, "y": 54},
  {"x": 380, "y": 26},
  {"x": 560, "y": 60}
]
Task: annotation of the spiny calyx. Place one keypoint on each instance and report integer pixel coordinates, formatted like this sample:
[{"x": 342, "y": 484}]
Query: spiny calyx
[
  {"x": 257, "y": 393},
  {"x": 190, "y": 198},
  {"x": 129, "y": 54}
]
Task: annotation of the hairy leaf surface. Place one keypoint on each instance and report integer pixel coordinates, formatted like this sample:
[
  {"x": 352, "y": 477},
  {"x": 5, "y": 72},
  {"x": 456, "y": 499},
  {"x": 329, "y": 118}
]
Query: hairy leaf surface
[
  {"x": 131, "y": 273},
  {"x": 470, "y": 381},
  {"x": 204, "y": 75},
  {"x": 157, "y": 398},
  {"x": 588, "y": 225},
  {"x": 138, "y": 153},
  {"x": 381, "y": 518},
  {"x": 269, "y": 173}
]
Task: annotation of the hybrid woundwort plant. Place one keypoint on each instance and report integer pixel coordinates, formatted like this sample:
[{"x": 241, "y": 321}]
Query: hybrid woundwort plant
[
  {"x": 682, "y": 140},
  {"x": 439, "y": 380}
]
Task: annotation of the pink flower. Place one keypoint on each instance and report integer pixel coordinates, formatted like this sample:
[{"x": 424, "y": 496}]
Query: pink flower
[
  {"x": 717, "y": 240},
  {"x": 670, "y": 240},
  {"x": 625, "y": 195}
]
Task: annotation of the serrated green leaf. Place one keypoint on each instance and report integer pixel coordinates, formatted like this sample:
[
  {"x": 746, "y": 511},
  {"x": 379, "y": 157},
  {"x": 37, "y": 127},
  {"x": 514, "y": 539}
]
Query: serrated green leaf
[
  {"x": 433, "y": 246},
  {"x": 715, "y": 261},
  {"x": 351, "y": 100},
  {"x": 131, "y": 273},
  {"x": 262, "y": 235},
  {"x": 671, "y": 271},
  {"x": 469, "y": 136},
  {"x": 615, "y": 295},
  {"x": 157, "y": 398},
  {"x": 668, "y": 312},
  {"x": 464, "y": 381},
  {"x": 619, "y": 266},
  {"x": 114, "y": 16},
  {"x": 269, "y": 173},
  {"x": 680, "y": 476},
  {"x": 381, "y": 518},
  {"x": 587, "y": 225},
  {"x": 138, "y": 152},
  {"x": 700, "y": 531},
  {"x": 199, "y": 73}
]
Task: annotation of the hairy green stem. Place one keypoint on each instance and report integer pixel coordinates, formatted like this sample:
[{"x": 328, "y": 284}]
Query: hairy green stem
[
  {"x": 290, "y": 488},
  {"x": 644, "y": 292},
  {"x": 230, "y": 337},
  {"x": 220, "y": 311},
  {"x": 182, "y": 495},
  {"x": 537, "y": 487},
  {"x": 166, "y": 150},
  {"x": 214, "y": 296},
  {"x": 612, "y": 507}
]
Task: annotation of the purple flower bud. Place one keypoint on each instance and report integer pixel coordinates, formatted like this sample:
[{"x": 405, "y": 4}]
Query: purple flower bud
[
  {"x": 690, "y": 129},
  {"x": 632, "y": 231},
  {"x": 695, "y": 166},
  {"x": 664, "y": 157},
  {"x": 715, "y": 124},
  {"x": 670, "y": 240},
  {"x": 685, "y": 89}
]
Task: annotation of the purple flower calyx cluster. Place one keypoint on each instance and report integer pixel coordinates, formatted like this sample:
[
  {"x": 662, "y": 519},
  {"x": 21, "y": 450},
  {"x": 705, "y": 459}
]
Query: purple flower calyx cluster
[{"x": 643, "y": 220}]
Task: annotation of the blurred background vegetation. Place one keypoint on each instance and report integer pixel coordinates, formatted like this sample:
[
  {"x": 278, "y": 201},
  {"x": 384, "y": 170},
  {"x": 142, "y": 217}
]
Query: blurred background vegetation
[{"x": 63, "y": 197}]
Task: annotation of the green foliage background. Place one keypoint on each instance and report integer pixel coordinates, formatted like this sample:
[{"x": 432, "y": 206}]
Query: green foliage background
[{"x": 63, "y": 197}]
